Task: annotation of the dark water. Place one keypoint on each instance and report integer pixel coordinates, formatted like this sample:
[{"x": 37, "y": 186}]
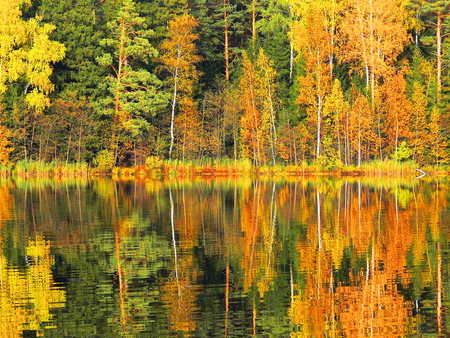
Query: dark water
[{"x": 225, "y": 257}]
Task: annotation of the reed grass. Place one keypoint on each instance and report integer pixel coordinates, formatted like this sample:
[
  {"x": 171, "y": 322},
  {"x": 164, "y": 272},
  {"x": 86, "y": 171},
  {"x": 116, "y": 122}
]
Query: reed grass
[
  {"x": 157, "y": 168},
  {"x": 30, "y": 168},
  {"x": 229, "y": 167}
]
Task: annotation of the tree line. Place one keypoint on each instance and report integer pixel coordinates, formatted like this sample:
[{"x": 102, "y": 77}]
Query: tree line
[{"x": 334, "y": 82}]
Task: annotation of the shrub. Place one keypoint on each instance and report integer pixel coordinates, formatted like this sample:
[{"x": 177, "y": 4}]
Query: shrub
[
  {"x": 104, "y": 160},
  {"x": 153, "y": 162}
]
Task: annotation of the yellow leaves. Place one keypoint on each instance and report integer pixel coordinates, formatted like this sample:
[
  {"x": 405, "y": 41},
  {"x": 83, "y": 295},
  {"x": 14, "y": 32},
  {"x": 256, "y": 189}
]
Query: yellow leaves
[
  {"x": 179, "y": 52},
  {"x": 27, "y": 299},
  {"x": 373, "y": 34},
  {"x": 38, "y": 100},
  {"x": 259, "y": 103},
  {"x": 26, "y": 51}
]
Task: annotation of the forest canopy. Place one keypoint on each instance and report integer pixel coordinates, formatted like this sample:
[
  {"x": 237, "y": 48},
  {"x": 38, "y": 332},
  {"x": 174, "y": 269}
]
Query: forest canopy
[{"x": 334, "y": 82}]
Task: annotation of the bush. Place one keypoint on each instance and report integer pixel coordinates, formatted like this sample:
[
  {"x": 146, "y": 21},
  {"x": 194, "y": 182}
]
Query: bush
[
  {"x": 104, "y": 161},
  {"x": 153, "y": 162}
]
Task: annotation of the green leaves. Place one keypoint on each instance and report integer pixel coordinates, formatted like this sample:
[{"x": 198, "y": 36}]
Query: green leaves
[{"x": 135, "y": 93}]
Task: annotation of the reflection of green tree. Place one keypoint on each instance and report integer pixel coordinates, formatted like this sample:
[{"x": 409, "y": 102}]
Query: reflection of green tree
[{"x": 91, "y": 277}]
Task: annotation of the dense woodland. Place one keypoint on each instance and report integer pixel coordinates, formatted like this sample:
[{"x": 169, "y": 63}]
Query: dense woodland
[{"x": 334, "y": 82}]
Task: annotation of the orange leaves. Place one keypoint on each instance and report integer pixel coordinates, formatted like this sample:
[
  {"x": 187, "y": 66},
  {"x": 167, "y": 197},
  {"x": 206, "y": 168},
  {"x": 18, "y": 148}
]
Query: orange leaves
[
  {"x": 189, "y": 132},
  {"x": 178, "y": 51},
  {"x": 5, "y": 145},
  {"x": 373, "y": 34},
  {"x": 179, "y": 56},
  {"x": 361, "y": 127},
  {"x": 398, "y": 110},
  {"x": 312, "y": 34}
]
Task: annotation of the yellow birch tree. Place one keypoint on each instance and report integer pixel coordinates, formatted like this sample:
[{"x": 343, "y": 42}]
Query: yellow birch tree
[
  {"x": 179, "y": 56},
  {"x": 26, "y": 53}
]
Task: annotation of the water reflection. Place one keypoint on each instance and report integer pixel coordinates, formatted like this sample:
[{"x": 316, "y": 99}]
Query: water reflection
[{"x": 224, "y": 257}]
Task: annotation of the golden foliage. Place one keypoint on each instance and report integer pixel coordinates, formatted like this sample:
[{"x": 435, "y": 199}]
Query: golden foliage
[
  {"x": 258, "y": 89},
  {"x": 27, "y": 52},
  {"x": 373, "y": 34},
  {"x": 179, "y": 52},
  {"x": 27, "y": 299}
]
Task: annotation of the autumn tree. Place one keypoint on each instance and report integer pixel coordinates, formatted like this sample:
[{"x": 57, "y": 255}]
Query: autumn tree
[
  {"x": 313, "y": 37},
  {"x": 135, "y": 94},
  {"x": 179, "y": 57},
  {"x": 267, "y": 93},
  {"x": 397, "y": 111},
  {"x": 372, "y": 35},
  {"x": 334, "y": 116},
  {"x": 258, "y": 125},
  {"x": 254, "y": 132},
  {"x": 361, "y": 129},
  {"x": 26, "y": 53},
  {"x": 232, "y": 114}
]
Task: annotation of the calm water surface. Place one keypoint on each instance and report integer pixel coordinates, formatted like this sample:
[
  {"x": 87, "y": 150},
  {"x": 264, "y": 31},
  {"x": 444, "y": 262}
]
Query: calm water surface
[{"x": 225, "y": 257}]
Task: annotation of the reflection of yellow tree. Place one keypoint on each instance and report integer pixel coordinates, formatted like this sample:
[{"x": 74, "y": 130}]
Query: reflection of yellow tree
[
  {"x": 375, "y": 307},
  {"x": 378, "y": 234},
  {"x": 26, "y": 299},
  {"x": 179, "y": 293},
  {"x": 5, "y": 205},
  {"x": 258, "y": 218}
]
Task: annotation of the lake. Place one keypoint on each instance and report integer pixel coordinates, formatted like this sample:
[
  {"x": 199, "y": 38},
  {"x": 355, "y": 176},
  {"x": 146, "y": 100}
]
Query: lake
[{"x": 225, "y": 257}]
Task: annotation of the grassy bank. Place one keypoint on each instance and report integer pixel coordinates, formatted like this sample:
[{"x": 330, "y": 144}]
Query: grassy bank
[
  {"x": 226, "y": 167},
  {"x": 156, "y": 168},
  {"x": 48, "y": 169}
]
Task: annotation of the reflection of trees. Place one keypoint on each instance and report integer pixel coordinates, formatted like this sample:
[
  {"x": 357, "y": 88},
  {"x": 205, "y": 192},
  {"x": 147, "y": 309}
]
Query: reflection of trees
[
  {"x": 180, "y": 291},
  {"x": 6, "y": 203},
  {"x": 28, "y": 297},
  {"x": 313, "y": 256},
  {"x": 354, "y": 258}
]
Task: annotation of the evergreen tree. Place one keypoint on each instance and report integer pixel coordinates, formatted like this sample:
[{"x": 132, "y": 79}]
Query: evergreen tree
[
  {"x": 135, "y": 94},
  {"x": 80, "y": 28},
  {"x": 437, "y": 11}
]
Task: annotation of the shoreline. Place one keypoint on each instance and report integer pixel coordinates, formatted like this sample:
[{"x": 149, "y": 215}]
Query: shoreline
[{"x": 218, "y": 168}]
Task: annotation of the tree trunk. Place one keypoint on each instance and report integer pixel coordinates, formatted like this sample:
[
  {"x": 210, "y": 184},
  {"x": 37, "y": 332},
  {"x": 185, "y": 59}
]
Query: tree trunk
[
  {"x": 174, "y": 103},
  {"x": 359, "y": 139},
  {"x": 319, "y": 125},
  {"x": 226, "y": 49},
  {"x": 439, "y": 55},
  {"x": 253, "y": 21}
]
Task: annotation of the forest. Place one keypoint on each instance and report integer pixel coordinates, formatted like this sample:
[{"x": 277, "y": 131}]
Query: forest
[{"x": 336, "y": 83}]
